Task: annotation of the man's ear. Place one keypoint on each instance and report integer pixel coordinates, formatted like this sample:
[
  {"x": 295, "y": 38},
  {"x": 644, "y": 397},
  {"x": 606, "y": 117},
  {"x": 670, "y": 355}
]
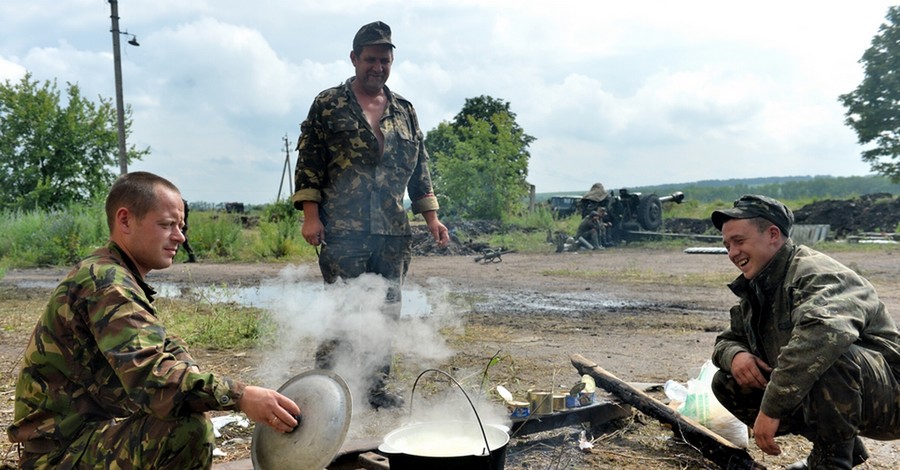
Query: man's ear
[
  {"x": 774, "y": 233},
  {"x": 123, "y": 220}
]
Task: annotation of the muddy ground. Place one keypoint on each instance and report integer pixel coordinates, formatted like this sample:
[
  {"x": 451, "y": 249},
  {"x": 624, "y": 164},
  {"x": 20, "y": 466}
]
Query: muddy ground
[{"x": 646, "y": 316}]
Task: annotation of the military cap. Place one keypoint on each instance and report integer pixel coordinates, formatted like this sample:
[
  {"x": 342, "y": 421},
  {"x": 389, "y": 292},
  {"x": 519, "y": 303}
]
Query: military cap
[
  {"x": 372, "y": 34},
  {"x": 752, "y": 205}
]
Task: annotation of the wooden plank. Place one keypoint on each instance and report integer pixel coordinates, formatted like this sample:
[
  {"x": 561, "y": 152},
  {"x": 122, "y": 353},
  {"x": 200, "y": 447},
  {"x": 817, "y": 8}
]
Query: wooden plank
[{"x": 713, "y": 447}]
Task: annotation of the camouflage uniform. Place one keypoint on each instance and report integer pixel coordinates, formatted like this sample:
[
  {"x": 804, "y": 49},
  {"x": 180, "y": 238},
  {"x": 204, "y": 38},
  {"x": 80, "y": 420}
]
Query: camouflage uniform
[
  {"x": 834, "y": 350},
  {"x": 592, "y": 230},
  {"x": 102, "y": 385},
  {"x": 360, "y": 191}
]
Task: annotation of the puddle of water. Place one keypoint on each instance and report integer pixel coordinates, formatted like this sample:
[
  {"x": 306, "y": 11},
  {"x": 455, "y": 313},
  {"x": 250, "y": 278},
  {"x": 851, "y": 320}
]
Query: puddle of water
[{"x": 414, "y": 301}]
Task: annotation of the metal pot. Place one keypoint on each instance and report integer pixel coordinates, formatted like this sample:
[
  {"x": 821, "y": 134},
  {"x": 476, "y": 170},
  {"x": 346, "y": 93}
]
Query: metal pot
[
  {"x": 450, "y": 445},
  {"x": 453, "y": 445}
]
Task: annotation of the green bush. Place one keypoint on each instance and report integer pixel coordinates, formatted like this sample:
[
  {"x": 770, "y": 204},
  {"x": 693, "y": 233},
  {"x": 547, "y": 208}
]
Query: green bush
[
  {"x": 51, "y": 238},
  {"x": 214, "y": 234}
]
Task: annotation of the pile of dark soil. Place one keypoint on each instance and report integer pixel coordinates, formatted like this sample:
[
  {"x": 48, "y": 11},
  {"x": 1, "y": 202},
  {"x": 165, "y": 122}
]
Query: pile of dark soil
[
  {"x": 693, "y": 226},
  {"x": 462, "y": 235},
  {"x": 879, "y": 212}
]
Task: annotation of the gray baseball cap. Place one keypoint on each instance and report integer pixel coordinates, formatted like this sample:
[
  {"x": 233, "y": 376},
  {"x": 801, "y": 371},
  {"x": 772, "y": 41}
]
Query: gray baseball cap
[{"x": 754, "y": 205}]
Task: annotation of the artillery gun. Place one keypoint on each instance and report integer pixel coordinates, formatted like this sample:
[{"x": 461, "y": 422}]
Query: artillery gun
[{"x": 627, "y": 212}]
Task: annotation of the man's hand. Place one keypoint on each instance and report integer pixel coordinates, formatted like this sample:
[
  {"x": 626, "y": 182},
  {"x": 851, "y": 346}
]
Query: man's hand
[
  {"x": 438, "y": 231},
  {"x": 312, "y": 229},
  {"x": 750, "y": 371},
  {"x": 263, "y": 405},
  {"x": 764, "y": 433}
]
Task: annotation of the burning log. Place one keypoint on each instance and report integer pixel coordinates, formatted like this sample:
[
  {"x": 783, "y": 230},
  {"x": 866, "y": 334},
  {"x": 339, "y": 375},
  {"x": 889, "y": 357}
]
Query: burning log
[{"x": 715, "y": 448}]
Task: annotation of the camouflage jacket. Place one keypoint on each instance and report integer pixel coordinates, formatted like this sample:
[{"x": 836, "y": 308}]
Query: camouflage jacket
[
  {"x": 339, "y": 166},
  {"x": 587, "y": 224},
  {"x": 799, "y": 315},
  {"x": 99, "y": 352}
]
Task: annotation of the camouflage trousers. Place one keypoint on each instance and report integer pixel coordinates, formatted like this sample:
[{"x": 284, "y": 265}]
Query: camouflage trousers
[
  {"x": 138, "y": 442},
  {"x": 349, "y": 256},
  {"x": 858, "y": 395}
]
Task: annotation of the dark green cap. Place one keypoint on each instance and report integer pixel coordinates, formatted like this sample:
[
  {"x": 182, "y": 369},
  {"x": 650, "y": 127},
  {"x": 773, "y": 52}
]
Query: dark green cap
[
  {"x": 753, "y": 205},
  {"x": 372, "y": 34}
]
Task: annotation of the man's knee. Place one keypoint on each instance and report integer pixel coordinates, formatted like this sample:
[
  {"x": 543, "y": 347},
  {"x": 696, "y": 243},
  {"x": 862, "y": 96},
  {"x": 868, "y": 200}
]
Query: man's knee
[{"x": 184, "y": 443}]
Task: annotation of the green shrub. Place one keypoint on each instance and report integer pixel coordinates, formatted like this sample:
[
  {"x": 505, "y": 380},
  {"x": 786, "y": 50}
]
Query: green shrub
[{"x": 214, "y": 234}]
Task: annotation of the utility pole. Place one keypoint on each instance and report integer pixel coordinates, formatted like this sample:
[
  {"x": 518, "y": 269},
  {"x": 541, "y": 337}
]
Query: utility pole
[
  {"x": 286, "y": 170},
  {"x": 120, "y": 107}
]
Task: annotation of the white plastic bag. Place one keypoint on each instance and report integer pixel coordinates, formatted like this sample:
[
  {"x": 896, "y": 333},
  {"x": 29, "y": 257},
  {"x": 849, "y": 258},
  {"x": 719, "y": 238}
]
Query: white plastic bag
[{"x": 701, "y": 405}]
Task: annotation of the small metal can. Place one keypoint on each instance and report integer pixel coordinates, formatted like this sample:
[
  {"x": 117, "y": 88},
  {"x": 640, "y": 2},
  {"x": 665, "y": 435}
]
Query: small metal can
[
  {"x": 585, "y": 398},
  {"x": 559, "y": 401},
  {"x": 541, "y": 403},
  {"x": 519, "y": 409}
]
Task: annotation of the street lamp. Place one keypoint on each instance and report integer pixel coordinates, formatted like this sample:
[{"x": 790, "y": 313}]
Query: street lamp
[{"x": 117, "y": 61}]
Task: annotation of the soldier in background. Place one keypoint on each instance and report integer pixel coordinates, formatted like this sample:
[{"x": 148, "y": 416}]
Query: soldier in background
[
  {"x": 184, "y": 230},
  {"x": 811, "y": 350},
  {"x": 360, "y": 150},
  {"x": 102, "y": 384},
  {"x": 592, "y": 230}
]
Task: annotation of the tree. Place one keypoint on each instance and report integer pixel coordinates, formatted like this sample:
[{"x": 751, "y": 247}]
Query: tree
[
  {"x": 53, "y": 154},
  {"x": 873, "y": 108},
  {"x": 480, "y": 160}
]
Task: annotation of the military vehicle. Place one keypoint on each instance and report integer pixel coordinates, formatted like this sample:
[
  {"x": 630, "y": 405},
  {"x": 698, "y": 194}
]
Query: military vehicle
[{"x": 564, "y": 206}]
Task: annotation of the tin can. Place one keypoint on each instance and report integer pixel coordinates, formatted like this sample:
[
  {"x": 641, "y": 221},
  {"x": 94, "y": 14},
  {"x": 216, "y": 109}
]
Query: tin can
[
  {"x": 559, "y": 401},
  {"x": 541, "y": 403},
  {"x": 585, "y": 398},
  {"x": 572, "y": 402},
  {"x": 519, "y": 409}
]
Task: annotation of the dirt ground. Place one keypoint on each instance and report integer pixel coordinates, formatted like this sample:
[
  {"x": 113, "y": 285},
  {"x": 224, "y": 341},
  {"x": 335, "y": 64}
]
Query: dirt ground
[{"x": 646, "y": 316}]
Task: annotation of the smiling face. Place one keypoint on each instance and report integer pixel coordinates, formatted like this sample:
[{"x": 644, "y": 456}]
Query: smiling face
[
  {"x": 751, "y": 245},
  {"x": 152, "y": 240},
  {"x": 373, "y": 67}
]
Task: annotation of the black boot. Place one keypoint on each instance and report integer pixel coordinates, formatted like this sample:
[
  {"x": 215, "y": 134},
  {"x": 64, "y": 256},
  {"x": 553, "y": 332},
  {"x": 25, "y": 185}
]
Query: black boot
[
  {"x": 832, "y": 455},
  {"x": 329, "y": 351},
  {"x": 378, "y": 395}
]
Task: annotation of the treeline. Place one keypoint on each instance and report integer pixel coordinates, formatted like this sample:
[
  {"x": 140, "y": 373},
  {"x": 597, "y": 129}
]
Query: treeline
[{"x": 784, "y": 188}]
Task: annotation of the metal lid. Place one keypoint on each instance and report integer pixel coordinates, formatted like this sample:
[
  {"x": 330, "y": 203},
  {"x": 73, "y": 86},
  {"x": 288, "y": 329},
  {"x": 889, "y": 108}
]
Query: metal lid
[{"x": 326, "y": 406}]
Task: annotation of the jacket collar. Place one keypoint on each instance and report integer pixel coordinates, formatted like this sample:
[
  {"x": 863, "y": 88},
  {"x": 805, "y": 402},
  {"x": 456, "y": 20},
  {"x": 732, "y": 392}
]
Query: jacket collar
[
  {"x": 129, "y": 264},
  {"x": 770, "y": 278}
]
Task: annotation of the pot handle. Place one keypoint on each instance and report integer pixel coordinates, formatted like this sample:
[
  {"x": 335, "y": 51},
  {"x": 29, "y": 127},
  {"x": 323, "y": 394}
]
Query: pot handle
[{"x": 487, "y": 445}]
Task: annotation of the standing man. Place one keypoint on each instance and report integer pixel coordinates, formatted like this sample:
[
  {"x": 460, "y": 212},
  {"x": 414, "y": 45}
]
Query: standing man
[
  {"x": 811, "y": 350},
  {"x": 186, "y": 245},
  {"x": 102, "y": 384},
  {"x": 360, "y": 150}
]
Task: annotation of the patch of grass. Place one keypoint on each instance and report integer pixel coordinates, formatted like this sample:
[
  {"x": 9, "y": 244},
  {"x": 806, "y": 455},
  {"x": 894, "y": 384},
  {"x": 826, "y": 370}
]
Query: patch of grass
[
  {"x": 214, "y": 325},
  {"x": 20, "y": 309}
]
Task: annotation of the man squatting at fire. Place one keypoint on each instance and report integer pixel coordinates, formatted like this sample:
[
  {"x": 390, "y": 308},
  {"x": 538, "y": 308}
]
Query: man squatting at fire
[
  {"x": 102, "y": 384},
  {"x": 811, "y": 350},
  {"x": 360, "y": 149}
]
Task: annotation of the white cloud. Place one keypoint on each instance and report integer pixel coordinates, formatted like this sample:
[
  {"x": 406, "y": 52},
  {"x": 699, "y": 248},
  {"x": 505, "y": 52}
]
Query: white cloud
[{"x": 629, "y": 93}]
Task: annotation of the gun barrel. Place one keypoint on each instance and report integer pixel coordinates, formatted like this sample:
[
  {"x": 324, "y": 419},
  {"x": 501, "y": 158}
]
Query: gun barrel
[{"x": 675, "y": 197}]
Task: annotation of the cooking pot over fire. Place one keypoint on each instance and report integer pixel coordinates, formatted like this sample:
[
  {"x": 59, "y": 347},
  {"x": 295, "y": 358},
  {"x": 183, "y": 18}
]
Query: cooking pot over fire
[
  {"x": 325, "y": 406},
  {"x": 446, "y": 445}
]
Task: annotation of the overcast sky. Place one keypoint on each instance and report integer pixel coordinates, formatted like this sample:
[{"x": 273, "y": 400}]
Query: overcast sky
[{"x": 626, "y": 93}]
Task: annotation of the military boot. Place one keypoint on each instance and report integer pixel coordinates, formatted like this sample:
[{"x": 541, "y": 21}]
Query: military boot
[
  {"x": 378, "y": 395},
  {"x": 328, "y": 352},
  {"x": 833, "y": 456}
]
